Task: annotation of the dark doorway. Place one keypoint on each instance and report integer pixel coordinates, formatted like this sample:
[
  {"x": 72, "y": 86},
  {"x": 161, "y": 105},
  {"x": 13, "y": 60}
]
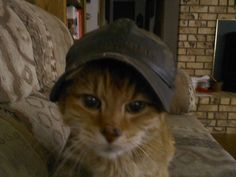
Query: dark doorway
[
  {"x": 124, "y": 10},
  {"x": 229, "y": 63},
  {"x": 141, "y": 11},
  {"x": 158, "y": 16},
  {"x": 224, "y": 69}
]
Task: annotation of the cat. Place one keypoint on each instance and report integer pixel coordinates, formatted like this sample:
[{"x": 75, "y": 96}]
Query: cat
[{"x": 118, "y": 126}]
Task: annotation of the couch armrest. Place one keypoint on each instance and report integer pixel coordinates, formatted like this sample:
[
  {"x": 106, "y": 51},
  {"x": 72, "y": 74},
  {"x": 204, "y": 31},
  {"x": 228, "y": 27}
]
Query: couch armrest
[
  {"x": 20, "y": 154},
  {"x": 197, "y": 152}
]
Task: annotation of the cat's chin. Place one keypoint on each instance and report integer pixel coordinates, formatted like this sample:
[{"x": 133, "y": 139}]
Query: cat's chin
[{"x": 109, "y": 152}]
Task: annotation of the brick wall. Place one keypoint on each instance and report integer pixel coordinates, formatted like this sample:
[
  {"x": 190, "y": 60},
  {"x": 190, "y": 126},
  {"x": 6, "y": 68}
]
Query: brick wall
[
  {"x": 197, "y": 26},
  {"x": 218, "y": 112}
]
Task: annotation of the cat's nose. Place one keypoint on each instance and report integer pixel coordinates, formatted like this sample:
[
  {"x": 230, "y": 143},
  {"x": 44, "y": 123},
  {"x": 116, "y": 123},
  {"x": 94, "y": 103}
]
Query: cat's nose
[{"x": 111, "y": 133}]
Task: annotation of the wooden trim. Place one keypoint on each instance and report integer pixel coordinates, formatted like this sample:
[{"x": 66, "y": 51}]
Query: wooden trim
[{"x": 55, "y": 7}]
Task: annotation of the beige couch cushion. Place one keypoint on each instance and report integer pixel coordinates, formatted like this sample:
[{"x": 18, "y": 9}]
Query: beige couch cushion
[
  {"x": 17, "y": 67},
  {"x": 33, "y": 46},
  {"x": 42, "y": 119},
  {"x": 50, "y": 39}
]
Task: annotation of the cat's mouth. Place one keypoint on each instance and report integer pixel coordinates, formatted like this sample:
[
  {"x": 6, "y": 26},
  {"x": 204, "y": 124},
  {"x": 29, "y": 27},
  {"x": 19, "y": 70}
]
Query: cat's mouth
[{"x": 109, "y": 151}]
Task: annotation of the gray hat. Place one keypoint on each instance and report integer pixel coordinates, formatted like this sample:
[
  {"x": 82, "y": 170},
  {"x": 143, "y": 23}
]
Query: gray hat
[{"x": 122, "y": 40}]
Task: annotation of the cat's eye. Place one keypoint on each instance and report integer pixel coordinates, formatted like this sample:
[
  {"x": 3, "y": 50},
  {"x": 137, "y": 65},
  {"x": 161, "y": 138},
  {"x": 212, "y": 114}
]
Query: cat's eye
[
  {"x": 135, "y": 106},
  {"x": 91, "y": 102}
]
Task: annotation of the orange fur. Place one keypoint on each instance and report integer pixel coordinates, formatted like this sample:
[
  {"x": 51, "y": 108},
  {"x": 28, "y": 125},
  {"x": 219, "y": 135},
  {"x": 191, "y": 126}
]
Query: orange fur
[{"x": 143, "y": 147}]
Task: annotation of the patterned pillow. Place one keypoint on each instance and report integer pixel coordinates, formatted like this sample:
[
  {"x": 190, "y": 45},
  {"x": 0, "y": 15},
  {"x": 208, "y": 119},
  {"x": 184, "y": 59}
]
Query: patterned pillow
[
  {"x": 33, "y": 46},
  {"x": 50, "y": 40},
  {"x": 184, "y": 100},
  {"x": 43, "y": 120},
  {"x": 17, "y": 67}
]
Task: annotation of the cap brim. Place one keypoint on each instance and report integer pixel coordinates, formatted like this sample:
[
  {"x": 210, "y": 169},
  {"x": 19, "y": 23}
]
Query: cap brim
[{"x": 162, "y": 90}]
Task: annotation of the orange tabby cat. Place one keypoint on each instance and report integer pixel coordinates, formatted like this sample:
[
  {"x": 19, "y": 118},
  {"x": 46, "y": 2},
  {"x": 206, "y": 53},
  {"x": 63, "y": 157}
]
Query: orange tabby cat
[{"x": 118, "y": 126}]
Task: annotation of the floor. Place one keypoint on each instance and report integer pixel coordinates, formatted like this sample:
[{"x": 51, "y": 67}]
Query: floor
[{"x": 228, "y": 141}]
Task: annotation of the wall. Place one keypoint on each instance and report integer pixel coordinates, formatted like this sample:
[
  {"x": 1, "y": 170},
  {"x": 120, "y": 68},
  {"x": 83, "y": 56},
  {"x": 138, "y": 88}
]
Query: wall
[
  {"x": 218, "y": 112},
  {"x": 197, "y": 26},
  {"x": 169, "y": 31},
  {"x": 92, "y": 10}
]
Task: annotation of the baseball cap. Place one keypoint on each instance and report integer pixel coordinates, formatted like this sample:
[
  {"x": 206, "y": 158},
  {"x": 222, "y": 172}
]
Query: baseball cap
[{"x": 123, "y": 41}]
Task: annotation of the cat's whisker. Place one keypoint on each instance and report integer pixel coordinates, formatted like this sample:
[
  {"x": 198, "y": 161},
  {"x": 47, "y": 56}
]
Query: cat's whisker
[
  {"x": 157, "y": 147},
  {"x": 137, "y": 154},
  {"x": 81, "y": 159},
  {"x": 73, "y": 167},
  {"x": 146, "y": 153},
  {"x": 60, "y": 155},
  {"x": 143, "y": 150},
  {"x": 71, "y": 148},
  {"x": 67, "y": 156},
  {"x": 134, "y": 151}
]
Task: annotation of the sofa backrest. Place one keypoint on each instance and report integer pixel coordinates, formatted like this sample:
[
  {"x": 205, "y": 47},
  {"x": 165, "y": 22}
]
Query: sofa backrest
[{"x": 33, "y": 46}]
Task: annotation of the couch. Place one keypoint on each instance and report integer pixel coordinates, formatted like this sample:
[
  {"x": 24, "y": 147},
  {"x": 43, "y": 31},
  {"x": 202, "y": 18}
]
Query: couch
[{"x": 33, "y": 45}]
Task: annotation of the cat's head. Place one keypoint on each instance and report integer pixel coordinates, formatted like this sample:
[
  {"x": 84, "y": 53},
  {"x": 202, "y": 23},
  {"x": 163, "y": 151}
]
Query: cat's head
[{"x": 110, "y": 108}]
